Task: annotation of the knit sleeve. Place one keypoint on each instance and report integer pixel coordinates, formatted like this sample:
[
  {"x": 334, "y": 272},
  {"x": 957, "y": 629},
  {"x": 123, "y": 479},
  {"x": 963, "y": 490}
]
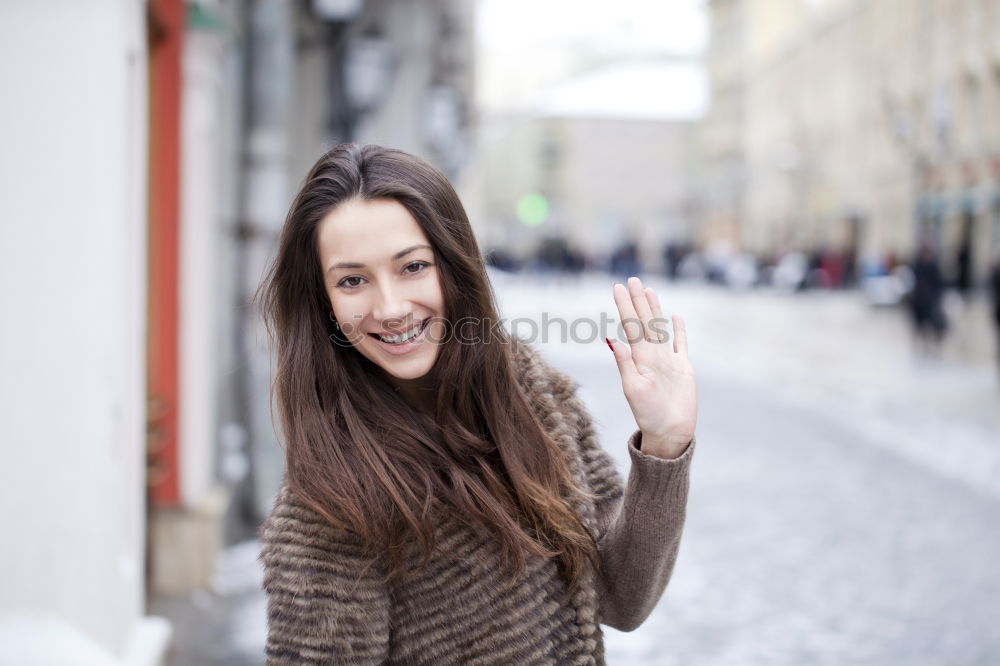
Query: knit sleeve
[
  {"x": 638, "y": 524},
  {"x": 323, "y": 605},
  {"x": 640, "y": 534}
]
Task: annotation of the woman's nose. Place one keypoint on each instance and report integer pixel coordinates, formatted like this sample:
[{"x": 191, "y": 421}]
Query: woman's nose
[{"x": 391, "y": 307}]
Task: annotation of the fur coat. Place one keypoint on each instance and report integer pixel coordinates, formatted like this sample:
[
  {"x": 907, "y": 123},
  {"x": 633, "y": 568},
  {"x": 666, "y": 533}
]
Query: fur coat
[{"x": 457, "y": 611}]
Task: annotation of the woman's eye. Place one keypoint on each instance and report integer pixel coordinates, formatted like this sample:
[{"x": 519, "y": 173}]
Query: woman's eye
[
  {"x": 420, "y": 265},
  {"x": 354, "y": 281},
  {"x": 346, "y": 282}
]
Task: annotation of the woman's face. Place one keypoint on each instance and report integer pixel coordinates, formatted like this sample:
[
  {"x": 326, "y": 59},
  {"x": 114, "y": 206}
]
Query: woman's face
[{"x": 382, "y": 279}]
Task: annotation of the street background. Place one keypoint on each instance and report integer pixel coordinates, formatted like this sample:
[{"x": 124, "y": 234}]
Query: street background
[
  {"x": 813, "y": 184},
  {"x": 843, "y": 501}
]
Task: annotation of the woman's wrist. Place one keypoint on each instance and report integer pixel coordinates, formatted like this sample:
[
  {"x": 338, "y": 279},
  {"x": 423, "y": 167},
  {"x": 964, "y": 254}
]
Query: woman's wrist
[{"x": 665, "y": 447}]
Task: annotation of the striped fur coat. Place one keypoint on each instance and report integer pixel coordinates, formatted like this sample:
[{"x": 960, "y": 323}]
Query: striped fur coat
[{"x": 457, "y": 611}]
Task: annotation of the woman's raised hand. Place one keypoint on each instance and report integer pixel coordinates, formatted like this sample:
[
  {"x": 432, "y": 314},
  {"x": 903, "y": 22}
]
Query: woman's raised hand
[{"x": 657, "y": 377}]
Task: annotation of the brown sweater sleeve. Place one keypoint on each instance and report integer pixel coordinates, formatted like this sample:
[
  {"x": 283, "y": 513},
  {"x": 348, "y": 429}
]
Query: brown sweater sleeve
[
  {"x": 323, "y": 605},
  {"x": 639, "y": 523},
  {"x": 640, "y": 536}
]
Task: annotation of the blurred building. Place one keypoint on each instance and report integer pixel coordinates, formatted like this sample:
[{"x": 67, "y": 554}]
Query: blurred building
[
  {"x": 720, "y": 137},
  {"x": 605, "y": 181},
  {"x": 840, "y": 123},
  {"x": 151, "y": 152},
  {"x": 73, "y": 216},
  {"x": 606, "y": 173}
]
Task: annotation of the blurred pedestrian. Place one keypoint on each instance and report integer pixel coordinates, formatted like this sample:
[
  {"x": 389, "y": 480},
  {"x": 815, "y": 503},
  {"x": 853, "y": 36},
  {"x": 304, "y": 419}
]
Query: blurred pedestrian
[
  {"x": 963, "y": 258},
  {"x": 849, "y": 267},
  {"x": 446, "y": 500},
  {"x": 925, "y": 301},
  {"x": 625, "y": 260},
  {"x": 673, "y": 254},
  {"x": 831, "y": 268},
  {"x": 995, "y": 294}
]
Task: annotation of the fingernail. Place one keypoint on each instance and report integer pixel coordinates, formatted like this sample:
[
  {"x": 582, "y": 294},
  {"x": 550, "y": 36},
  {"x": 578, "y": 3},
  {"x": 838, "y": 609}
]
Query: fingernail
[{"x": 609, "y": 345}]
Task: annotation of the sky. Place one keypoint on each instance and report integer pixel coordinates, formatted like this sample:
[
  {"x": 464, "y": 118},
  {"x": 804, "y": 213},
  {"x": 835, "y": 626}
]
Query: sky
[{"x": 628, "y": 58}]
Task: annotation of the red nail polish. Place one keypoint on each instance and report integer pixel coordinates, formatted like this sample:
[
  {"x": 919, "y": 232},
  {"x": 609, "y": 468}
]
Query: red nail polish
[{"x": 609, "y": 345}]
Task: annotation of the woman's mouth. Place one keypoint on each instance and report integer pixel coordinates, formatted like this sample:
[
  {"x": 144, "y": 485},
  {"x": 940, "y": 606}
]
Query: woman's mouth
[{"x": 403, "y": 341}]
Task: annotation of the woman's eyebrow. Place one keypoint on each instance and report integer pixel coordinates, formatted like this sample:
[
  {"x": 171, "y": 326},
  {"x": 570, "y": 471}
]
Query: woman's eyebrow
[{"x": 398, "y": 255}]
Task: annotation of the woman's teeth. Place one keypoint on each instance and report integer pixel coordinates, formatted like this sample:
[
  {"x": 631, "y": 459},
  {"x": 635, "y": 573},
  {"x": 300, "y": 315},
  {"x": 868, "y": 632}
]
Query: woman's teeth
[{"x": 399, "y": 339}]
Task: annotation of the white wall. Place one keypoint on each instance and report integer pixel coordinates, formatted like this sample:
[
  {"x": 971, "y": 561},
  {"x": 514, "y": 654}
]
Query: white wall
[
  {"x": 200, "y": 273},
  {"x": 211, "y": 117},
  {"x": 72, "y": 296}
]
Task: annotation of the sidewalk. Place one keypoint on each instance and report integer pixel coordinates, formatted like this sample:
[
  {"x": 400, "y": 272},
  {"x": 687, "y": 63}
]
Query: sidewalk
[{"x": 225, "y": 625}]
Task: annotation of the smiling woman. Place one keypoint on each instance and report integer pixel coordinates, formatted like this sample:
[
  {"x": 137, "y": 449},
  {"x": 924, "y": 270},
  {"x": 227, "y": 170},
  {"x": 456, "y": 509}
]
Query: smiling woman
[
  {"x": 446, "y": 501},
  {"x": 384, "y": 297}
]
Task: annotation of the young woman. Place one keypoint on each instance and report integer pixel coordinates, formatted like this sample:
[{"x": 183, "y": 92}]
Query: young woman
[{"x": 446, "y": 500}]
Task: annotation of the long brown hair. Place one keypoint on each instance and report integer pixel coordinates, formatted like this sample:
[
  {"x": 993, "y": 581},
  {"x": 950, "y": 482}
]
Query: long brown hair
[{"x": 359, "y": 454}]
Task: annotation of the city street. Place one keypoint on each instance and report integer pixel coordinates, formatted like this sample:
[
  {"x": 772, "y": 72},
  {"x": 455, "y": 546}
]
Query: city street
[
  {"x": 804, "y": 177},
  {"x": 845, "y": 496}
]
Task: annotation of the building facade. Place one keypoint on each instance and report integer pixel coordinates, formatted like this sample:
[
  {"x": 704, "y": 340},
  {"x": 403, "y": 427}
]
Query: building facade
[{"x": 867, "y": 126}]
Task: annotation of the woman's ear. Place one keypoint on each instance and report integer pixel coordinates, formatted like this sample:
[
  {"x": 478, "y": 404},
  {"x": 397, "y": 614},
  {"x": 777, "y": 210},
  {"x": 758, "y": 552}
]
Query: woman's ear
[{"x": 334, "y": 331}]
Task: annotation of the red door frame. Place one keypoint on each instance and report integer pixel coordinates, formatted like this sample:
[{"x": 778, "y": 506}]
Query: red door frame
[{"x": 165, "y": 40}]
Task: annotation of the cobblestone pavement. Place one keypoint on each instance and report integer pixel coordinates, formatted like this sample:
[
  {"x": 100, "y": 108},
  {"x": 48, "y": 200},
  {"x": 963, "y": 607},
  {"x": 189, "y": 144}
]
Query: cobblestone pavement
[{"x": 845, "y": 497}]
